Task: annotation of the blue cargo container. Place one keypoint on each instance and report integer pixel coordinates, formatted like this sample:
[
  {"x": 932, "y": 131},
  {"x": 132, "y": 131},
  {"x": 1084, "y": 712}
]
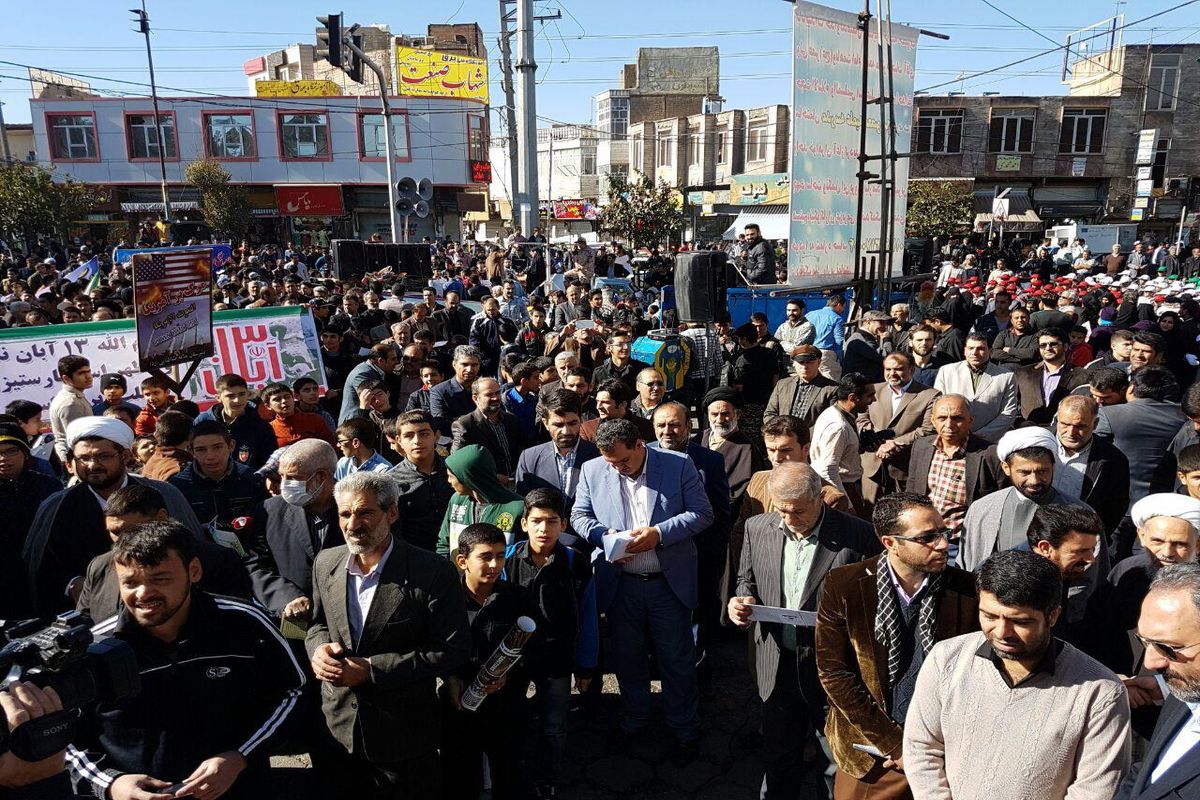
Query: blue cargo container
[{"x": 773, "y": 300}]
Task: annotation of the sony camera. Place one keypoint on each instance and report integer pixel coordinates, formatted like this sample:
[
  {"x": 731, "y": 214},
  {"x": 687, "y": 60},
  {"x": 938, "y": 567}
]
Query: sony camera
[{"x": 64, "y": 656}]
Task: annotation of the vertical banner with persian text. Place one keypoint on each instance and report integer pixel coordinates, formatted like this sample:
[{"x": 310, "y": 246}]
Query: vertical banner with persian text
[{"x": 826, "y": 110}]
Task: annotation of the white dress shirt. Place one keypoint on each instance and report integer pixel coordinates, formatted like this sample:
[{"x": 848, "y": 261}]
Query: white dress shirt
[
  {"x": 834, "y": 451},
  {"x": 1070, "y": 470},
  {"x": 1187, "y": 737},
  {"x": 635, "y": 496},
  {"x": 898, "y": 396},
  {"x": 360, "y": 590}
]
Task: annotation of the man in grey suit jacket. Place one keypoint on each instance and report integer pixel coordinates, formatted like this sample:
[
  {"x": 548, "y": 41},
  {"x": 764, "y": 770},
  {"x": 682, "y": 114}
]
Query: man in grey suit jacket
[
  {"x": 990, "y": 389},
  {"x": 801, "y": 538},
  {"x": 805, "y": 394},
  {"x": 905, "y": 408},
  {"x": 556, "y": 464},
  {"x": 378, "y": 656},
  {"x": 649, "y": 594},
  {"x": 570, "y": 310}
]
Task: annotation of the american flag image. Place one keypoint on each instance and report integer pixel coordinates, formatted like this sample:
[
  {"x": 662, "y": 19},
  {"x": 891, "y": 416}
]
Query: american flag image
[{"x": 170, "y": 270}]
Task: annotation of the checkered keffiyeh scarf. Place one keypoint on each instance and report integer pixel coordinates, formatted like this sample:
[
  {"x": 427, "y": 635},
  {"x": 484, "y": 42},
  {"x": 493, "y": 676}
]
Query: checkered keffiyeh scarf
[{"x": 888, "y": 630}]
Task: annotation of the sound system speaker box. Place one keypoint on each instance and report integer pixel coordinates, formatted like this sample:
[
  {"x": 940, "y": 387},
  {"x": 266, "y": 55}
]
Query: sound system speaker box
[
  {"x": 701, "y": 278},
  {"x": 349, "y": 259}
]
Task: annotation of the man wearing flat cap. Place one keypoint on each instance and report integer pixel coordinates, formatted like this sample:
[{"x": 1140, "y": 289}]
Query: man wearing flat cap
[
  {"x": 1000, "y": 521},
  {"x": 807, "y": 393},
  {"x": 866, "y": 347},
  {"x": 68, "y": 530}
]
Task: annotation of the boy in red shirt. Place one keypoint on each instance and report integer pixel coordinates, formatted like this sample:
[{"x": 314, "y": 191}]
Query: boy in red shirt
[
  {"x": 289, "y": 423},
  {"x": 157, "y": 394}
]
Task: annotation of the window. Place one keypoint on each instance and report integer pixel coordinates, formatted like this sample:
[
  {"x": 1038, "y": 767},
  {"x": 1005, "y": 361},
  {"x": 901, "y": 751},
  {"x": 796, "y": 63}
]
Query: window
[
  {"x": 721, "y": 157},
  {"x": 476, "y": 142},
  {"x": 72, "y": 137},
  {"x": 620, "y": 117},
  {"x": 664, "y": 146},
  {"x": 637, "y": 152},
  {"x": 230, "y": 136},
  {"x": 619, "y": 169},
  {"x": 142, "y": 135},
  {"x": 939, "y": 131},
  {"x": 1082, "y": 130},
  {"x": 374, "y": 143},
  {"x": 1012, "y": 130},
  {"x": 693, "y": 145},
  {"x": 756, "y": 141},
  {"x": 305, "y": 135},
  {"x": 1158, "y": 170},
  {"x": 587, "y": 164},
  {"x": 1163, "y": 83}
]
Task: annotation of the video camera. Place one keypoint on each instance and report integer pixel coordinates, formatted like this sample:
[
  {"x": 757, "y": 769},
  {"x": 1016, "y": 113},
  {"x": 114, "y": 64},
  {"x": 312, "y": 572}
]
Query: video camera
[{"x": 64, "y": 656}]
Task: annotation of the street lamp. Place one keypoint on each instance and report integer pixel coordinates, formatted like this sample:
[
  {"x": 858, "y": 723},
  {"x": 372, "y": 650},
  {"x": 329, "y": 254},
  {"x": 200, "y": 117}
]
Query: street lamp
[{"x": 143, "y": 22}]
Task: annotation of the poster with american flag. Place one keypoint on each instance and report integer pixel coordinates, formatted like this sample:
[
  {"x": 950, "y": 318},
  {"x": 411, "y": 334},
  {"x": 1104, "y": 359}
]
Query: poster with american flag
[{"x": 172, "y": 300}]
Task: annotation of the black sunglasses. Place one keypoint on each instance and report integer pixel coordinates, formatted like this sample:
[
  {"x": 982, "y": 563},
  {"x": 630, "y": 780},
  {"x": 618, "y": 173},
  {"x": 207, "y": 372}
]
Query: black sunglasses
[
  {"x": 925, "y": 539},
  {"x": 1168, "y": 651}
]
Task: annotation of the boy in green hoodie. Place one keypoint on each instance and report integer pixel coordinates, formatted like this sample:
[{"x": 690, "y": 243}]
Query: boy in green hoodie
[{"x": 478, "y": 497}]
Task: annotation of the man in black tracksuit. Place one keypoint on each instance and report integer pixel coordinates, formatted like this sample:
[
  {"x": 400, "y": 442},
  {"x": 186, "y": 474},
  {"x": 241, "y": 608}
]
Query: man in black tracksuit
[{"x": 220, "y": 687}]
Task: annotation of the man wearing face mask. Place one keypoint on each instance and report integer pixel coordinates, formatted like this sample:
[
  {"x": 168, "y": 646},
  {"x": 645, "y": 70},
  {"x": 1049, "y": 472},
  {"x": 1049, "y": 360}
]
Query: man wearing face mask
[{"x": 287, "y": 532}]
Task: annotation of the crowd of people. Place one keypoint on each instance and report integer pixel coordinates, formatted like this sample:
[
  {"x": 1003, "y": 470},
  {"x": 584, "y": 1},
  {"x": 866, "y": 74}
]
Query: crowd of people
[{"x": 959, "y": 535}]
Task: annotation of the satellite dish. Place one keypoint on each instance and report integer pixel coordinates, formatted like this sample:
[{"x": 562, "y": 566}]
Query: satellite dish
[
  {"x": 421, "y": 209},
  {"x": 404, "y": 206},
  {"x": 407, "y": 187},
  {"x": 425, "y": 189}
]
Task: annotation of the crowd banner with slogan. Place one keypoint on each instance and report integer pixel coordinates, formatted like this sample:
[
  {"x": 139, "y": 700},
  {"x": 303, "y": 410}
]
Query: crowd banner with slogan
[
  {"x": 575, "y": 209},
  {"x": 428, "y": 73},
  {"x": 296, "y": 89},
  {"x": 172, "y": 306},
  {"x": 826, "y": 98},
  {"x": 756, "y": 190},
  {"x": 220, "y": 254},
  {"x": 263, "y": 345}
]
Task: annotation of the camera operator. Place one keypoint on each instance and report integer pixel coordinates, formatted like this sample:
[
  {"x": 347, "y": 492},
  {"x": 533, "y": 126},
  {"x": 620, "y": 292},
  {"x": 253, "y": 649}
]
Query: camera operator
[
  {"x": 220, "y": 687},
  {"x": 24, "y": 702}
]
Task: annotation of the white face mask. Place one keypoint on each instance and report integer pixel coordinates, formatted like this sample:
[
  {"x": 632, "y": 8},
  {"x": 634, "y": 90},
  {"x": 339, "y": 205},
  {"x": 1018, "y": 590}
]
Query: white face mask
[{"x": 295, "y": 492}]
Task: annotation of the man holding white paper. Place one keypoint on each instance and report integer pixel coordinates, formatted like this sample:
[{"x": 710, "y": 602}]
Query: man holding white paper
[
  {"x": 785, "y": 557},
  {"x": 649, "y": 594}
]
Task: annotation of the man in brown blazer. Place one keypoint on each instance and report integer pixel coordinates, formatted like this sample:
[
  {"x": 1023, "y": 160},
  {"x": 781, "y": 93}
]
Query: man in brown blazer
[
  {"x": 1038, "y": 405},
  {"x": 388, "y": 620},
  {"x": 784, "y": 663},
  {"x": 905, "y": 408},
  {"x": 876, "y": 621}
]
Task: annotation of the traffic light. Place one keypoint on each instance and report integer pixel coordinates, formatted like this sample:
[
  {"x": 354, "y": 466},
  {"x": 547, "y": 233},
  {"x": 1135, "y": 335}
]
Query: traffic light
[
  {"x": 354, "y": 64},
  {"x": 329, "y": 39}
]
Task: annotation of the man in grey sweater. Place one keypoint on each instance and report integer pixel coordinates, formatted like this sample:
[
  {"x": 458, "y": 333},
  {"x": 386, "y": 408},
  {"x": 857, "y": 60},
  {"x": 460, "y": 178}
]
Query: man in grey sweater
[{"x": 1012, "y": 713}]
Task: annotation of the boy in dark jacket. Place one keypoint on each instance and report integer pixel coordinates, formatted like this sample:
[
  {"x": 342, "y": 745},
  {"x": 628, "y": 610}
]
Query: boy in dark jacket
[
  {"x": 497, "y": 728},
  {"x": 557, "y": 582}
]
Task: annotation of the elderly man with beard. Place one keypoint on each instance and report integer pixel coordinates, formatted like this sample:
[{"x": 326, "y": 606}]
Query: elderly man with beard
[
  {"x": 1012, "y": 712},
  {"x": 68, "y": 530},
  {"x": 742, "y": 457},
  {"x": 220, "y": 688},
  {"x": 389, "y": 619},
  {"x": 999, "y": 521}
]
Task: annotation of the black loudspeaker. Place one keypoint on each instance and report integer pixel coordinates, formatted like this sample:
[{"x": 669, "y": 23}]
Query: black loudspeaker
[
  {"x": 349, "y": 259},
  {"x": 376, "y": 255},
  {"x": 417, "y": 260},
  {"x": 701, "y": 279}
]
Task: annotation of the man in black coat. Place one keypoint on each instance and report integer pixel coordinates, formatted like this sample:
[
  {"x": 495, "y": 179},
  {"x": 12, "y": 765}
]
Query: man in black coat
[
  {"x": 1089, "y": 467},
  {"x": 491, "y": 427},
  {"x": 865, "y": 348}
]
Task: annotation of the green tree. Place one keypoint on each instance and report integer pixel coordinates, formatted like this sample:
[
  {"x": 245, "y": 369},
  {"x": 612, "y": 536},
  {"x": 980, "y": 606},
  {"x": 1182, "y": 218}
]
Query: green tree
[
  {"x": 938, "y": 208},
  {"x": 225, "y": 206},
  {"x": 640, "y": 212},
  {"x": 33, "y": 204}
]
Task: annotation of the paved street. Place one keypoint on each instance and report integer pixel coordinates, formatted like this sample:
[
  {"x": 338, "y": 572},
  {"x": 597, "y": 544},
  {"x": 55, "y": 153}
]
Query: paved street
[{"x": 727, "y": 768}]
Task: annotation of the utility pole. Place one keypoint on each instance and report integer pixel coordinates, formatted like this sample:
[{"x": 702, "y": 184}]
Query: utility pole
[
  {"x": 527, "y": 114},
  {"x": 351, "y": 43},
  {"x": 144, "y": 27},
  {"x": 4, "y": 150},
  {"x": 510, "y": 109}
]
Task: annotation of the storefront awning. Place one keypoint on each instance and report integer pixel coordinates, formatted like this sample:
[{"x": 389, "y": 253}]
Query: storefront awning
[
  {"x": 1021, "y": 216},
  {"x": 771, "y": 220}
]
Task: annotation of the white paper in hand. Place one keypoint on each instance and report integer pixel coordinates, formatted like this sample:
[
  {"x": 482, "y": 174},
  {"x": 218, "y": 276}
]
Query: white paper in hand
[
  {"x": 784, "y": 616},
  {"x": 615, "y": 544}
]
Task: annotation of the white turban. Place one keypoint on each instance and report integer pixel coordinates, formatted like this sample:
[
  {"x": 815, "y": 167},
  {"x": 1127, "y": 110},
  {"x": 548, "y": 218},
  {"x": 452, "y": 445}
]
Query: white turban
[
  {"x": 1166, "y": 504},
  {"x": 1021, "y": 438},
  {"x": 109, "y": 428}
]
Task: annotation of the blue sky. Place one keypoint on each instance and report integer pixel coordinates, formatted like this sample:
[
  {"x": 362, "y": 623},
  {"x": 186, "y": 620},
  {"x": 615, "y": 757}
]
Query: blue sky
[{"x": 203, "y": 45}]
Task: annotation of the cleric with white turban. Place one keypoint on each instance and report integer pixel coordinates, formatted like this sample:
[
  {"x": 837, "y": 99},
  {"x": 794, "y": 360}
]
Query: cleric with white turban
[
  {"x": 110, "y": 428},
  {"x": 1024, "y": 438},
  {"x": 1166, "y": 504},
  {"x": 1167, "y": 527}
]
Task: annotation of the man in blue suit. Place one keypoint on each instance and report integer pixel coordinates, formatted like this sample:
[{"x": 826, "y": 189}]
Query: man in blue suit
[
  {"x": 649, "y": 595},
  {"x": 556, "y": 464},
  {"x": 673, "y": 428},
  {"x": 379, "y": 364}
]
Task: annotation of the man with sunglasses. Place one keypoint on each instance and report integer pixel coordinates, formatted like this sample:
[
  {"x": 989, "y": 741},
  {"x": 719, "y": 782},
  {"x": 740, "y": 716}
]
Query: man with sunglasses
[
  {"x": 1169, "y": 629},
  {"x": 1042, "y": 386},
  {"x": 876, "y": 622}
]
